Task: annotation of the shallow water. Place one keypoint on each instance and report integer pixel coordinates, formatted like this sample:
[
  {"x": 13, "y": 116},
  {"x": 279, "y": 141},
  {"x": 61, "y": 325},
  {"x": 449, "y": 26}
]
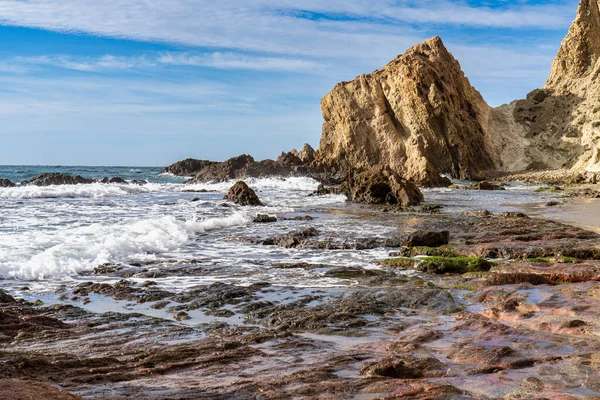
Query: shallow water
[{"x": 57, "y": 235}]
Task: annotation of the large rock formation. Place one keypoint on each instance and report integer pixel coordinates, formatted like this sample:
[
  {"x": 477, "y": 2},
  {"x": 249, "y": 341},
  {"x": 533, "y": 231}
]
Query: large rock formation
[{"x": 420, "y": 116}]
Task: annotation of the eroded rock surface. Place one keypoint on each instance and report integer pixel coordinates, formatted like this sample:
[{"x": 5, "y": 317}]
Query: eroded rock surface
[{"x": 242, "y": 195}]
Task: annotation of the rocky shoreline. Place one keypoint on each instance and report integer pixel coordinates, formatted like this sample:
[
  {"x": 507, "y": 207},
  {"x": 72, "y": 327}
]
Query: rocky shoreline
[{"x": 506, "y": 309}]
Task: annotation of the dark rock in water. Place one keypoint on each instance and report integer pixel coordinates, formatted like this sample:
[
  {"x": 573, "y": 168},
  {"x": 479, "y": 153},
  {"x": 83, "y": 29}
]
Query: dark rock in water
[
  {"x": 323, "y": 190},
  {"x": 292, "y": 239},
  {"x": 383, "y": 186},
  {"x": 427, "y": 239},
  {"x": 289, "y": 160},
  {"x": 478, "y": 213},
  {"x": 5, "y": 298},
  {"x": 264, "y": 219},
  {"x": 298, "y": 218},
  {"x": 241, "y": 194},
  {"x": 6, "y": 183},
  {"x": 56, "y": 178},
  {"x": 484, "y": 186},
  {"x": 187, "y": 167},
  {"x": 138, "y": 182},
  {"x": 113, "y": 180}
]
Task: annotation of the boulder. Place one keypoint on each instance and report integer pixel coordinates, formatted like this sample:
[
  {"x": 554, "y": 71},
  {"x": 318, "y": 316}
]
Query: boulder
[
  {"x": 382, "y": 186},
  {"x": 484, "y": 186},
  {"x": 56, "y": 178},
  {"x": 243, "y": 195},
  {"x": 7, "y": 183},
  {"x": 264, "y": 219},
  {"x": 418, "y": 116},
  {"x": 427, "y": 239}
]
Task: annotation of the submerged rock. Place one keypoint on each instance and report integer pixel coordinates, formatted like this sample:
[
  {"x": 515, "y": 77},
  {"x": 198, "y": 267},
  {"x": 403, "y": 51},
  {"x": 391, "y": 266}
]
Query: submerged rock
[{"x": 243, "y": 195}]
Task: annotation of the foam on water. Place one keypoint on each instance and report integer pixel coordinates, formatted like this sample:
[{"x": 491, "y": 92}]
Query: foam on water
[
  {"x": 68, "y": 251},
  {"x": 94, "y": 190}
]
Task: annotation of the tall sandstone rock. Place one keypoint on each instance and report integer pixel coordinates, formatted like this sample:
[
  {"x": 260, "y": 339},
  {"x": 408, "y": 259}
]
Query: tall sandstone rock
[{"x": 421, "y": 117}]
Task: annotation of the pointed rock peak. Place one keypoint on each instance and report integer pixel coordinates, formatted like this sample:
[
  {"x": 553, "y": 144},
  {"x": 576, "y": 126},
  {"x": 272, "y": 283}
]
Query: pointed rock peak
[
  {"x": 433, "y": 45},
  {"x": 580, "y": 50}
]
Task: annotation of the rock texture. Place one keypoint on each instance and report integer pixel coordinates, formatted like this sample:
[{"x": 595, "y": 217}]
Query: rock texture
[
  {"x": 243, "y": 195},
  {"x": 187, "y": 167},
  {"x": 419, "y": 116},
  {"x": 382, "y": 186},
  {"x": 246, "y": 166},
  {"x": 55, "y": 178}
]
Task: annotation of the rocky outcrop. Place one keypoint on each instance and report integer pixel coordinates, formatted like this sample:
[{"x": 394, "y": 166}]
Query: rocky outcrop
[
  {"x": 382, "y": 186},
  {"x": 6, "y": 183},
  {"x": 187, "y": 167},
  {"x": 307, "y": 154},
  {"x": 558, "y": 126},
  {"x": 245, "y": 166},
  {"x": 55, "y": 178},
  {"x": 419, "y": 116},
  {"x": 243, "y": 195},
  {"x": 290, "y": 159}
]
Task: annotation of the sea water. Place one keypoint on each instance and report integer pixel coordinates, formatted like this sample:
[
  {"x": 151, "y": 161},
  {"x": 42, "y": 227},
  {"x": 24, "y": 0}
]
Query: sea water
[{"x": 53, "y": 234}]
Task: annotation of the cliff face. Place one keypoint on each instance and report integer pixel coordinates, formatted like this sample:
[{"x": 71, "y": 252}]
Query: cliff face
[
  {"x": 419, "y": 116},
  {"x": 558, "y": 126}
]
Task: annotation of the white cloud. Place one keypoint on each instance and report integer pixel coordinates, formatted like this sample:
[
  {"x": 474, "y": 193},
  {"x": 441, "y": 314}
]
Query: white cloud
[
  {"x": 271, "y": 26},
  {"x": 110, "y": 62}
]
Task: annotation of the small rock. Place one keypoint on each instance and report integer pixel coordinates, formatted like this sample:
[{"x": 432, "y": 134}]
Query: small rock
[
  {"x": 6, "y": 183},
  {"x": 484, "y": 186},
  {"x": 427, "y": 239},
  {"x": 264, "y": 219},
  {"x": 243, "y": 195}
]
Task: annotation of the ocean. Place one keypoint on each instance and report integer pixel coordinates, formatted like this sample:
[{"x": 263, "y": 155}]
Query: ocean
[{"x": 186, "y": 234}]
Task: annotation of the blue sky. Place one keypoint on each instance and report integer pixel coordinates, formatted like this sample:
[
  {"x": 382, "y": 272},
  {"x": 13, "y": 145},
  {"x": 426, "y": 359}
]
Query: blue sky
[{"x": 150, "y": 82}]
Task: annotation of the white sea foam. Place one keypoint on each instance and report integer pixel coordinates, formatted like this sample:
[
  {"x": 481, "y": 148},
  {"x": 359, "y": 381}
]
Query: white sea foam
[
  {"x": 94, "y": 190},
  {"x": 262, "y": 184},
  {"x": 68, "y": 251}
]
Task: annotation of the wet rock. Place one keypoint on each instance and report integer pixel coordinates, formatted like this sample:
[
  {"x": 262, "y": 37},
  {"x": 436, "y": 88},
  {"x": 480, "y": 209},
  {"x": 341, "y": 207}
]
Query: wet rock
[
  {"x": 264, "y": 219},
  {"x": 427, "y": 239},
  {"x": 478, "y": 213},
  {"x": 182, "y": 316},
  {"x": 404, "y": 367},
  {"x": 298, "y": 218},
  {"x": 6, "y": 298},
  {"x": 382, "y": 186},
  {"x": 292, "y": 239},
  {"x": 14, "y": 389},
  {"x": 187, "y": 167},
  {"x": 242, "y": 195},
  {"x": 517, "y": 278},
  {"x": 484, "y": 186},
  {"x": 553, "y": 272},
  {"x": 122, "y": 290},
  {"x": 323, "y": 190},
  {"x": 55, "y": 178},
  {"x": 7, "y": 183},
  {"x": 512, "y": 215},
  {"x": 139, "y": 182},
  {"x": 113, "y": 180}
]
